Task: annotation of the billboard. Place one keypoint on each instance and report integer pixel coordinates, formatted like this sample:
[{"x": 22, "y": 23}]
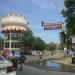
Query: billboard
[{"x": 52, "y": 26}]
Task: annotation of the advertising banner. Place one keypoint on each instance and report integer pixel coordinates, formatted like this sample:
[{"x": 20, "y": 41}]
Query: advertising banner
[{"x": 52, "y": 26}]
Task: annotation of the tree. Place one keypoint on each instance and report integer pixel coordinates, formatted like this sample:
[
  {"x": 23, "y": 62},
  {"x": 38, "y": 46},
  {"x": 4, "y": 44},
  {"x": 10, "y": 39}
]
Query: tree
[
  {"x": 27, "y": 39},
  {"x": 39, "y": 44},
  {"x": 1, "y": 43},
  {"x": 52, "y": 47},
  {"x": 69, "y": 15},
  {"x": 30, "y": 42},
  {"x": 62, "y": 37}
]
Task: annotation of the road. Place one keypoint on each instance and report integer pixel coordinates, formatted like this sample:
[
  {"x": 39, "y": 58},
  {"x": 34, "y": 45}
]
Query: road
[
  {"x": 28, "y": 70},
  {"x": 31, "y": 67}
]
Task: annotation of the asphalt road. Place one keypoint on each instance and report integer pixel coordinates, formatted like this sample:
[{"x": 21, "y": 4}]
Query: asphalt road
[
  {"x": 28, "y": 70},
  {"x": 31, "y": 68}
]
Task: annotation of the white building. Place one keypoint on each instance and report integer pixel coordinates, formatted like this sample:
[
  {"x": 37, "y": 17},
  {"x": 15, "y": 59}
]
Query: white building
[{"x": 12, "y": 27}]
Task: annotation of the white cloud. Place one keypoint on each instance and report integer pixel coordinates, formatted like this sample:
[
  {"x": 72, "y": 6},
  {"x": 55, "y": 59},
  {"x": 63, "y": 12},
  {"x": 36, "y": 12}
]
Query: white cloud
[{"x": 46, "y": 4}]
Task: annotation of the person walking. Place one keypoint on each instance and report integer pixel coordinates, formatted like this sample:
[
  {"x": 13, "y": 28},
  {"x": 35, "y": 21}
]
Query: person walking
[
  {"x": 72, "y": 53},
  {"x": 65, "y": 51}
]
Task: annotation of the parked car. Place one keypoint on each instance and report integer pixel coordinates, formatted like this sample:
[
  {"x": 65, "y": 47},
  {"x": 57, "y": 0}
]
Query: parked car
[{"x": 6, "y": 67}]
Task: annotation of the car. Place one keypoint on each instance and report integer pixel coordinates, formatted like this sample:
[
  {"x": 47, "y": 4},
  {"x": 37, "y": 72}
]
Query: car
[{"x": 6, "y": 67}]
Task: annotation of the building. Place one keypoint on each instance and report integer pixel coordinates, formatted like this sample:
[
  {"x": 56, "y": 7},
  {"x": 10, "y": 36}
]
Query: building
[{"x": 12, "y": 28}]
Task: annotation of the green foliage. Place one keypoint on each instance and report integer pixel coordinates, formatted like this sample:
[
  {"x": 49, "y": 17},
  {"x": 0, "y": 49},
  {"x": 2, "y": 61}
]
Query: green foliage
[
  {"x": 1, "y": 42},
  {"x": 32, "y": 42},
  {"x": 69, "y": 14},
  {"x": 39, "y": 44},
  {"x": 62, "y": 46},
  {"x": 51, "y": 46},
  {"x": 65, "y": 40},
  {"x": 69, "y": 3},
  {"x": 27, "y": 39},
  {"x": 62, "y": 37}
]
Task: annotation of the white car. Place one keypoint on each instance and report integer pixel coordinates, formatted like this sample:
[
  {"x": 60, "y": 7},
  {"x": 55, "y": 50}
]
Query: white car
[{"x": 6, "y": 67}]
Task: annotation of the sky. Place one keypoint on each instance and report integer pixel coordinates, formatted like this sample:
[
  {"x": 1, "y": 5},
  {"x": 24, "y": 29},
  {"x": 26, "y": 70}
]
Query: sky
[{"x": 37, "y": 10}]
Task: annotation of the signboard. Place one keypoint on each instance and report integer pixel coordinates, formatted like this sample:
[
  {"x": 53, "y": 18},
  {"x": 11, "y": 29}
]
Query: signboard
[
  {"x": 52, "y": 26},
  {"x": 73, "y": 39}
]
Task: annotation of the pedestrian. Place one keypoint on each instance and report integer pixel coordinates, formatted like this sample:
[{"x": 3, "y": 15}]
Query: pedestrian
[
  {"x": 41, "y": 54},
  {"x": 5, "y": 54},
  {"x": 12, "y": 58},
  {"x": 65, "y": 51},
  {"x": 72, "y": 53},
  {"x": 10, "y": 54}
]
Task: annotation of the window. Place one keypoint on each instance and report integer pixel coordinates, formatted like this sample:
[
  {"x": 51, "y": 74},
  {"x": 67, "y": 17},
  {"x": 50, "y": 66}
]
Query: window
[
  {"x": 12, "y": 44},
  {"x": 15, "y": 45},
  {"x": 6, "y": 44},
  {"x": 7, "y": 36},
  {"x": 15, "y": 36}
]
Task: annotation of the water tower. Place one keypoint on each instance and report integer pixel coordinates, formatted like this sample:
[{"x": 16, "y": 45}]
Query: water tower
[{"x": 12, "y": 28}]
